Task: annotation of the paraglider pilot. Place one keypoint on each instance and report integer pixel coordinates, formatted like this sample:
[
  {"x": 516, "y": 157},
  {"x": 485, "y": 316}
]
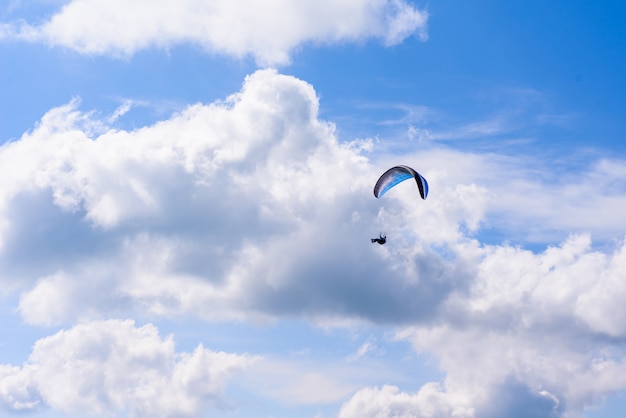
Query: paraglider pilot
[{"x": 381, "y": 239}]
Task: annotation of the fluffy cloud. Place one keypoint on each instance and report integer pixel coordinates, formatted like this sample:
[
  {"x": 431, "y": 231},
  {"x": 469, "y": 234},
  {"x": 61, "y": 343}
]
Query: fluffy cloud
[
  {"x": 268, "y": 30},
  {"x": 249, "y": 206},
  {"x": 512, "y": 399},
  {"x": 252, "y": 207},
  {"x": 535, "y": 332},
  {"x": 101, "y": 368},
  {"x": 389, "y": 401}
]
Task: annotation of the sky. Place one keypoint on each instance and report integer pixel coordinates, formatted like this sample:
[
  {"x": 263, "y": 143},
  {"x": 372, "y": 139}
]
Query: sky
[{"x": 186, "y": 209}]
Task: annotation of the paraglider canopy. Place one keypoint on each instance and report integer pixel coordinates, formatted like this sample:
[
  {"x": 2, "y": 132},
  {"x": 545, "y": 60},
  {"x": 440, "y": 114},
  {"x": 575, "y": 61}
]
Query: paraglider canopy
[{"x": 396, "y": 175}]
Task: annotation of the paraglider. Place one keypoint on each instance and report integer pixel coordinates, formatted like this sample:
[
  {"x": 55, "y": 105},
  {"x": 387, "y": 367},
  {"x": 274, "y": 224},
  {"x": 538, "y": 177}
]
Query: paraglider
[
  {"x": 381, "y": 239},
  {"x": 391, "y": 178},
  {"x": 396, "y": 175}
]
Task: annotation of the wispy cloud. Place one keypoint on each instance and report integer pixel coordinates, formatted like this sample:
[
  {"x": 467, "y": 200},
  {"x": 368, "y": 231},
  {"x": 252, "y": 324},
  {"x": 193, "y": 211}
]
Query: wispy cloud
[{"x": 369, "y": 347}]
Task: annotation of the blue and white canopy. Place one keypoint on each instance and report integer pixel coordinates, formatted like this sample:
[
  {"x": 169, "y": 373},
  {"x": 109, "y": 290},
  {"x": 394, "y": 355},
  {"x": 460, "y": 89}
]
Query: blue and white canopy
[{"x": 397, "y": 175}]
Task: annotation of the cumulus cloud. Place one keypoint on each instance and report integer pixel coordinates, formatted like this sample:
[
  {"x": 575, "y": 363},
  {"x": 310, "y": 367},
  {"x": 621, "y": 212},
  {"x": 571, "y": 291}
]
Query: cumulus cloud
[
  {"x": 540, "y": 333},
  {"x": 511, "y": 399},
  {"x": 104, "y": 367},
  {"x": 251, "y": 207},
  {"x": 389, "y": 401},
  {"x": 268, "y": 30}
]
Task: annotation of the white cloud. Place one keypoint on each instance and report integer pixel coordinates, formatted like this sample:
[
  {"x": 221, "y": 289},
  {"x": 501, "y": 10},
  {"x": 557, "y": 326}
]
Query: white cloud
[
  {"x": 268, "y": 30},
  {"x": 105, "y": 367},
  {"x": 540, "y": 329},
  {"x": 389, "y": 401},
  {"x": 251, "y": 207},
  {"x": 368, "y": 348},
  {"x": 524, "y": 198},
  {"x": 246, "y": 207}
]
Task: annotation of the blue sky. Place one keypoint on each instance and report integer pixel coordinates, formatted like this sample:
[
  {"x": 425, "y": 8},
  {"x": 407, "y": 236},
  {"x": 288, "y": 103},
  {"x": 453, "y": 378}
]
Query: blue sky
[{"x": 186, "y": 208}]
